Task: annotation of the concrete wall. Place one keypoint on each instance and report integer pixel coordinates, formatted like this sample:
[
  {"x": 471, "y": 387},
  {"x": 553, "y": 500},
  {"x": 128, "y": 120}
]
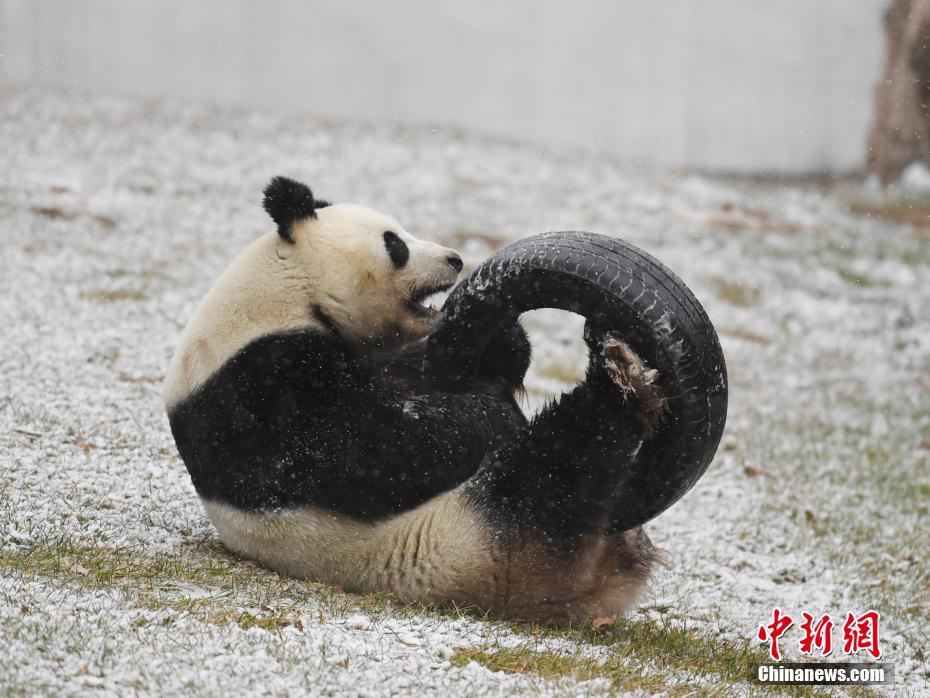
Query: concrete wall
[{"x": 719, "y": 84}]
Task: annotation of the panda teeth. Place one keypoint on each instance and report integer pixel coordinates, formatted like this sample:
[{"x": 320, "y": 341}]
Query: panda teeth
[
  {"x": 423, "y": 303},
  {"x": 426, "y": 301}
]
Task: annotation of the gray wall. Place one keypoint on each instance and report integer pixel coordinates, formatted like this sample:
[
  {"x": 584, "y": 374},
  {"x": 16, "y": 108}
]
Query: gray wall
[{"x": 719, "y": 84}]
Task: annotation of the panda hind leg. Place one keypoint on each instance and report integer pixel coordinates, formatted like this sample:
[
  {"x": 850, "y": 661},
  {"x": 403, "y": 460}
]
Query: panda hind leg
[
  {"x": 548, "y": 495},
  {"x": 635, "y": 380}
]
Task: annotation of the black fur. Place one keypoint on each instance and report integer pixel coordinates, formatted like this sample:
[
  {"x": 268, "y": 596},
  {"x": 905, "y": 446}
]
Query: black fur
[
  {"x": 295, "y": 419},
  {"x": 288, "y": 201},
  {"x": 558, "y": 480},
  {"x": 505, "y": 360},
  {"x": 397, "y": 249},
  {"x": 500, "y": 374}
]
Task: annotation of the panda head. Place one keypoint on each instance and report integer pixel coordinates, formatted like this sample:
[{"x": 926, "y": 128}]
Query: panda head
[{"x": 366, "y": 278}]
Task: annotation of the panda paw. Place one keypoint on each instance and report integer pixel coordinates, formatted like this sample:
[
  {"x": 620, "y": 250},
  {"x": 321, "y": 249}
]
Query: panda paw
[
  {"x": 625, "y": 368},
  {"x": 615, "y": 366}
]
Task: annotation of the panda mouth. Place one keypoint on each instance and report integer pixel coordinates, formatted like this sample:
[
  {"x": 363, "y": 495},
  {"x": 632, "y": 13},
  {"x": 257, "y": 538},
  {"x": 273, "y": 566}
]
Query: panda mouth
[{"x": 422, "y": 302}]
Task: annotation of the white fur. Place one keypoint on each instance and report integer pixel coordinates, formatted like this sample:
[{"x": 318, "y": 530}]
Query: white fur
[
  {"x": 338, "y": 262},
  {"x": 435, "y": 552},
  {"x": 443, "y": 552}
]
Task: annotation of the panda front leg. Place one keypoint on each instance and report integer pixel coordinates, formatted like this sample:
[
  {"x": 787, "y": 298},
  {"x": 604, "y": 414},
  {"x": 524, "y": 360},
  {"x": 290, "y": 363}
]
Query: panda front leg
[{"x": 547, "y": 497}]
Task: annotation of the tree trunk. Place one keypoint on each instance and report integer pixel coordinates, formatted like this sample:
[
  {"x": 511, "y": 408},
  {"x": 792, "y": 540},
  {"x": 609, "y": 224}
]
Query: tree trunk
[{"x": 900, "y": 132}]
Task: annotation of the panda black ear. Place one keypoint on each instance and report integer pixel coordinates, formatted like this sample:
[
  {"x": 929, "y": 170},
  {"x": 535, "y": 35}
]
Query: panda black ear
[{"x": 288, "y": 201}]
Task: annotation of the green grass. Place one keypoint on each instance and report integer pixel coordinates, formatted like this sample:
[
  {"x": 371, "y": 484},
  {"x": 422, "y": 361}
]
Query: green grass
[
  {"x": 844, "y": 518},
  {"x": 123, "y": 294},
  {"x": 551, "y": 666},
  {"x": 644, "y": 655},
  {"x": 206, "y": 583},
  {"x": 166, "y": 582},
  {"x": 736, "y": 293},
  {"x": 857, "y": 278}
]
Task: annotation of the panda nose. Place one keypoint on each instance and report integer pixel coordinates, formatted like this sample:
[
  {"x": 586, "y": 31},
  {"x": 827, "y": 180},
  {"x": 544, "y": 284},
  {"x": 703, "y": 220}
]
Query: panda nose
[{"x": 455, "y": 262}]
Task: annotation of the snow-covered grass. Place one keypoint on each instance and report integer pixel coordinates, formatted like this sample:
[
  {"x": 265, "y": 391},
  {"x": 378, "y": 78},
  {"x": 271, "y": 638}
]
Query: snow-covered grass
[{"x": 116, "y": 216}]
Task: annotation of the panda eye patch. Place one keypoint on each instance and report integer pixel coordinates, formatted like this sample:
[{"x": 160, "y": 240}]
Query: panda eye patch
[{"x": 396, "y": 249}]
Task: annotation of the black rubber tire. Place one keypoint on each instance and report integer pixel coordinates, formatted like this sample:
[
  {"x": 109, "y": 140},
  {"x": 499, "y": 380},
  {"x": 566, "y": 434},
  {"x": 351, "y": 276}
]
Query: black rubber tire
[{"x": 623, "y": 290}]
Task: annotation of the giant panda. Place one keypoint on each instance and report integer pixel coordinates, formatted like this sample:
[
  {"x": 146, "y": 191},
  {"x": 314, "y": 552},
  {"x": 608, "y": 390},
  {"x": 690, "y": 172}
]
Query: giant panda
[{"x": 319, "y": 447}]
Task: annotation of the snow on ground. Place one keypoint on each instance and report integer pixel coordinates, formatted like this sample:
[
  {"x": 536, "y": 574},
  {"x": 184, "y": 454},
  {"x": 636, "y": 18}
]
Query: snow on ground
[{"x": 116, "y": 215}]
